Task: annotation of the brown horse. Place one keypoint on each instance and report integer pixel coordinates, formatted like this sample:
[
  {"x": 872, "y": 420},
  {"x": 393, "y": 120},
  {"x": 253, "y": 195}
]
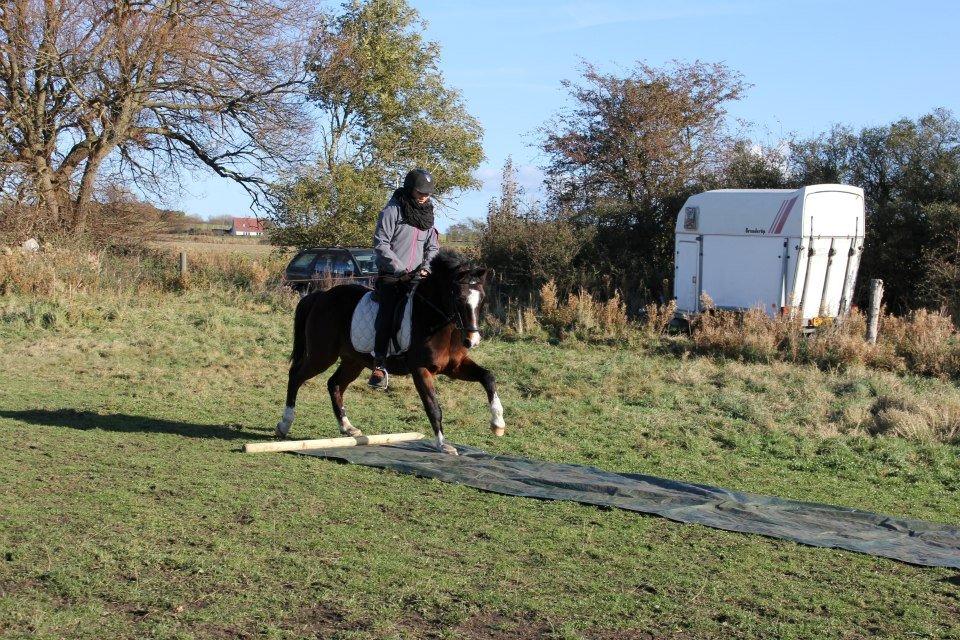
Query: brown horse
[{"x": 446, "y": 306}]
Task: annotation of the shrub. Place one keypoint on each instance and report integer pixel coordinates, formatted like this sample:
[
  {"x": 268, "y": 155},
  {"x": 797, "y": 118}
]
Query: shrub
[
  {"x": 581, "y": 316},
  {"x": 49, "y": 272},
  {"x": 926, "y": 340},
  {"x": 80, "y": 270},
  {"x": 657, "y": 317},
  {"x": 751, "y": 335}
]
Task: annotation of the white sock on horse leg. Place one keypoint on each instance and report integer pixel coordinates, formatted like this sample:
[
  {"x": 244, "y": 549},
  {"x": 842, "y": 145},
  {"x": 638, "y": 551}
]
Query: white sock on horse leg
[
  {"x": 496, "y": 412},
  {"x": 347, "y": 429},
  {"x": 286, "y": 421}
]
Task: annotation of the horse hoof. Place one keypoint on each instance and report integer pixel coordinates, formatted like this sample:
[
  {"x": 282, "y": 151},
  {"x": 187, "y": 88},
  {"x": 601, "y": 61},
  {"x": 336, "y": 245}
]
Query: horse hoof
[
  {"x": 449, "y": 449},
  {"x": 351, "y": 432},
  {"x": 497, "y": 430},
  {"x": 279, "y": 433}
]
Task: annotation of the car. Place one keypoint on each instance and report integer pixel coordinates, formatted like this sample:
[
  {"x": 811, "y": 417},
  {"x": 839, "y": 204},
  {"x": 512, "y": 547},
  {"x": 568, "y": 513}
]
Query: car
[{"x": 321, "y": 267}]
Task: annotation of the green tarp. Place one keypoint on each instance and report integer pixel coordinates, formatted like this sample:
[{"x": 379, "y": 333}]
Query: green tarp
[{"x": 820, "y": 525}]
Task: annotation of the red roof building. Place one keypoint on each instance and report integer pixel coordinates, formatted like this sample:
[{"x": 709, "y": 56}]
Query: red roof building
[{"x": 246, "y": 227}]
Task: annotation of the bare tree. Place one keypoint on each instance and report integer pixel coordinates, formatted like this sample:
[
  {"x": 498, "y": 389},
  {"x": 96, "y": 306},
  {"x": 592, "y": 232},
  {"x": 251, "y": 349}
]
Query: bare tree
[{"x": 151, "y": 86}]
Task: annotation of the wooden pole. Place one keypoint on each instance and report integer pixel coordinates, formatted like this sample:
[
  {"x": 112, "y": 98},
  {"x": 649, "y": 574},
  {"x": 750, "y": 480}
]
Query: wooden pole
[
  {"x": 183, "y": 264},
  {"x": 329, "y": 443},
  {"x": 873, "y": 319}
]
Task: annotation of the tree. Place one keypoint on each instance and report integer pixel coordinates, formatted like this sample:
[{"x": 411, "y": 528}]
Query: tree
[
  {"x": 525, "y": 246},
  {"x": 466, "y": 234},
  {"x": 148, "y": 87},
  {"x": 384, "y": 109},
  {"x": 910, "y": 173},
  {"x": 940, "y": 287},
  {"x": 751, "y": 166},
  {"x": 626, "y": 155}
]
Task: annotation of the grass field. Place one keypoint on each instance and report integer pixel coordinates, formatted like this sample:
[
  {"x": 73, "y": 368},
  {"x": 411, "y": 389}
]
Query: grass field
[
  {"x": 215, "y": 244},
  {"x": 127, "y": 510}
]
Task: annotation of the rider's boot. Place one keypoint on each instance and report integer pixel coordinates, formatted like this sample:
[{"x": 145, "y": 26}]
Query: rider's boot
[{"x": 379, "y": 379}]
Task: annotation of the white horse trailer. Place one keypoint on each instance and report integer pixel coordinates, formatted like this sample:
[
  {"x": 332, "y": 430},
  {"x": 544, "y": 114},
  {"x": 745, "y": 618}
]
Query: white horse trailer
[{"x": 777, "y": 249}]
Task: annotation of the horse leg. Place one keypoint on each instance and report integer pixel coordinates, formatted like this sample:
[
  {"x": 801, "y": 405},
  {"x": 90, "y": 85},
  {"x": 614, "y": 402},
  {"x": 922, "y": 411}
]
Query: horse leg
[
  {"x": 423, "y": 380},
  {"x": 346, "y": 373},
  {"x": 300, "y": 372},
  {"x": 472, "y": 372}
]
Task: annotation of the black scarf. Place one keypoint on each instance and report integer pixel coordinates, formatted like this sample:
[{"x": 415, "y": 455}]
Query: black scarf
[{"x": 416, "y": 215}]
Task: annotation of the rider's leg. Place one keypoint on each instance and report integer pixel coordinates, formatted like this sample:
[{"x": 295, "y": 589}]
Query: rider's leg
[{"x": 388, "y": 296}]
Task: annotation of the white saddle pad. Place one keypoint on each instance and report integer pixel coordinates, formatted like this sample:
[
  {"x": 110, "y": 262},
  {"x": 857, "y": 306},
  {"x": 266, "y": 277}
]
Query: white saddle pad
[{"x": 362, "y": 330}]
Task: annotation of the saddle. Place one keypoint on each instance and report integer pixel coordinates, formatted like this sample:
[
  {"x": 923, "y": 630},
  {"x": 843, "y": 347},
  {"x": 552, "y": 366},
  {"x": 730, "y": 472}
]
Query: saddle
[{"x": 363, "y": 325}]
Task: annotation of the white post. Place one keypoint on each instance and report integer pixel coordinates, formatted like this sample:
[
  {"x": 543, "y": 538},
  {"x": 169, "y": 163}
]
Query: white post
[{"x": 873, "y": 319}]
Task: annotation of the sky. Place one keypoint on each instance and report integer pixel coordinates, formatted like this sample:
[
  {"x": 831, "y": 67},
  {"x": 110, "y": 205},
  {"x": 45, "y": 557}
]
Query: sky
[{"x": 811, "y": 64}]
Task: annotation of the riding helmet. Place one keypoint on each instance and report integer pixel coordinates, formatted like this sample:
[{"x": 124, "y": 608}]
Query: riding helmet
[{"x": 419, "y": 179}]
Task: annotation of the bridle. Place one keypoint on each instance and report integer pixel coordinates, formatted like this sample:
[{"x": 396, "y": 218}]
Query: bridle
[{"x": 456, "y": 317}]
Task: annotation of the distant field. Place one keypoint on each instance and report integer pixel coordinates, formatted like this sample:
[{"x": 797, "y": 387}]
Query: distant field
[
  {"x": 127, "y": 510},
  {"x": 218, "y": 244}
]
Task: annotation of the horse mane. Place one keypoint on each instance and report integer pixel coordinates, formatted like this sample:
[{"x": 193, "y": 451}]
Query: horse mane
[{"x": 448, "y": 262}]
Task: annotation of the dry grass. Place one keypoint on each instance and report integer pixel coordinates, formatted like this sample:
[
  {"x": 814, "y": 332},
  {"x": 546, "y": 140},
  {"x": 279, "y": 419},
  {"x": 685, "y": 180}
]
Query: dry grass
[
  {"x": 50, "y": 272},
  {"x": 657, "y": 318},
  {"x": 213, "y": 244},
  {"x": 581, "y": 316},
  {"x": 892, "y": 408},
  {"x": 925, "y": 342},
  {"x": 59, "y": 272}
]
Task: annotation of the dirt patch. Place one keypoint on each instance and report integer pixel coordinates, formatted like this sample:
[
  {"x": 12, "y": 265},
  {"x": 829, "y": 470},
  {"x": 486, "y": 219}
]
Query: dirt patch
[
  {"x": 484, "y": 626},
  {"x": 499, "y": 627},
  {"x": 496, "y": 626},
  {"x": 322, "y": 620}
]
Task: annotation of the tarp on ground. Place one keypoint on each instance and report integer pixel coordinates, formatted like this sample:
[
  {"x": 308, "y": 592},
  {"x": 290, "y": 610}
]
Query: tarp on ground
[{"x": 820, "y": 525}]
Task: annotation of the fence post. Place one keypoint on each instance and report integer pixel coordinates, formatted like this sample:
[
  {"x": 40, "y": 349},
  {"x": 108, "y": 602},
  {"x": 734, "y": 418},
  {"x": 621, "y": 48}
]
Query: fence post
[
  {"x": 183, "y": 264},
  {"x": 873, "y": 319}
]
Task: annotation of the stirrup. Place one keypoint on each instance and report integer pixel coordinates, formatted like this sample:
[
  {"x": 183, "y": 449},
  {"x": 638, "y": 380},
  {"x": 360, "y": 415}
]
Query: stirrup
[{"x": 378, "y": 383}]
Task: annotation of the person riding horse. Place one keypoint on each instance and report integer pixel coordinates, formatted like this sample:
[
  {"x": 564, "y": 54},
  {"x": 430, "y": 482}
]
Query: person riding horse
[{"x": 405, "y": 241}]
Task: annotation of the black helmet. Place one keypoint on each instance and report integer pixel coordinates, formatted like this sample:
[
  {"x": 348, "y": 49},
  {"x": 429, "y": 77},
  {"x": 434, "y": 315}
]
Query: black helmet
[{"x": 419, "y": 179}]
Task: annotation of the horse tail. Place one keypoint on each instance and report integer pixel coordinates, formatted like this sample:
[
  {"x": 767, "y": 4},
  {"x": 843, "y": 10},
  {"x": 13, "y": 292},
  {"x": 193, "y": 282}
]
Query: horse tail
[{"x": 304, "y": 307}]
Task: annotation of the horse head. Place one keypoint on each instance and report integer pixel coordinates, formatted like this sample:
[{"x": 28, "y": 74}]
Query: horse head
[{"x": 460, "y": 286}]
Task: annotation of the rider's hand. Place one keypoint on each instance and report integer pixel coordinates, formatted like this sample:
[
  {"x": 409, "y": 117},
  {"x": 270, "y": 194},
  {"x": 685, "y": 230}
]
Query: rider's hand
[{"x": 424, "y": 273}]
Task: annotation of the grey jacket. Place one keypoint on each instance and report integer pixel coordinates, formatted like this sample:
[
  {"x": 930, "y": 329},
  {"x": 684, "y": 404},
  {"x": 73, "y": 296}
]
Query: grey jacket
[{"x": 401, "y": 247}]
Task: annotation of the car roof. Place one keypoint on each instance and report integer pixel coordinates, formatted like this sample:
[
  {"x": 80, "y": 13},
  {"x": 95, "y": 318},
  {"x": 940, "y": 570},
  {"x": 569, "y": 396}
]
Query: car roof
[{"x": 338, "y": 248}]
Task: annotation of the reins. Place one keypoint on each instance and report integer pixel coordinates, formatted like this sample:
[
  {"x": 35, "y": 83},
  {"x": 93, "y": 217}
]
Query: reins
[{"x": 455, "y": 317}]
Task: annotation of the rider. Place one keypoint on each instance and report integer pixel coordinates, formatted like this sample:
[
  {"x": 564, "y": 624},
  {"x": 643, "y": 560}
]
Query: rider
[{"x": 405, "y": 241}]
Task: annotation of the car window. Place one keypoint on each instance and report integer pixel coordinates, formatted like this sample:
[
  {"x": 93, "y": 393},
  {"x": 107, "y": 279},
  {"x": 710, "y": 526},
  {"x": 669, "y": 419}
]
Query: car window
[
  {"x": 367, "y": 260},
  {"x": 337, "y": 264},
  {"x": 302, "y": 261}
]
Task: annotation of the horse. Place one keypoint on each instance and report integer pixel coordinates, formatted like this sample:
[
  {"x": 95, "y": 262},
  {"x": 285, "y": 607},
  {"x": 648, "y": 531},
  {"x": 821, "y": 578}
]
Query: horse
[{"x": 439, "y": 341}]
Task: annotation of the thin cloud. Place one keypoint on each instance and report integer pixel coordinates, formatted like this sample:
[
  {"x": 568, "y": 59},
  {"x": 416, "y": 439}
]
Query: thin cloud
[
  {"x": 529, "y": 177},
  {"x": 579, "y": 15}
]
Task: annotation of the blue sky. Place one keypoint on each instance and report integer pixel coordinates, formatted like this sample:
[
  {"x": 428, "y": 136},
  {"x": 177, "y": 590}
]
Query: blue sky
[{"x": 811, "y": 64}]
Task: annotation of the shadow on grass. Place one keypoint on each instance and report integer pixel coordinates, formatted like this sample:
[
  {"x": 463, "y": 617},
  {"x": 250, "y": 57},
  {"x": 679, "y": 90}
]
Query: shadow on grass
[{"x": 121, "y": 422}]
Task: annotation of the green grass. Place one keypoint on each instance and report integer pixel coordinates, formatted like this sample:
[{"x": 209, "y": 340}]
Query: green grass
[{"x": 127, "y": 510}]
